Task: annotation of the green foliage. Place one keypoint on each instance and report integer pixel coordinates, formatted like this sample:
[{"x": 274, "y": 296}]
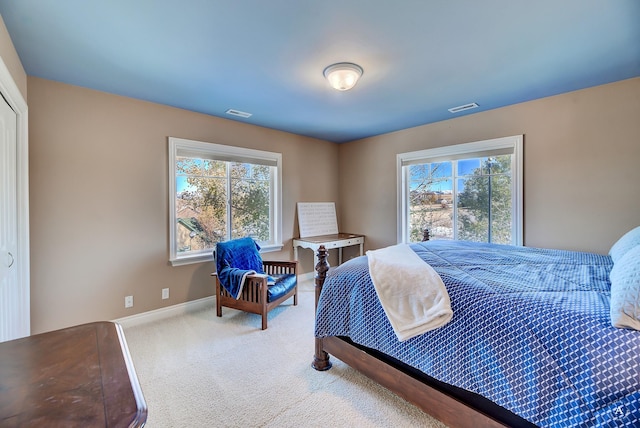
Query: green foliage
[
  {"x": 428, "y": 207},
  {"x": 483, "y": 206},
  {"x": 250, "y": 205},
  {"x": 206, "y": 200}
]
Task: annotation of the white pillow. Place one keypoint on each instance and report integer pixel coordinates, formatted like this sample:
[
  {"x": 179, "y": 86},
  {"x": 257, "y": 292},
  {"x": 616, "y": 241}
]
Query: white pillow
[
  {"x": 625, "y": 290},
  {"x": 624, "y": 244}
]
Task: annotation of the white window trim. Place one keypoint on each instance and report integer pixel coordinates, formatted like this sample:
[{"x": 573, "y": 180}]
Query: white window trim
[
  {"x": 514, "y": 142},
  {"x": 207, "y": 149}
]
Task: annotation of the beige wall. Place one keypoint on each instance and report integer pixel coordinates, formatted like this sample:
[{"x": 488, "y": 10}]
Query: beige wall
[
  {"x": 581, "y": 167},
  {"x": 99, "y": 200},
  {"x": 11, "y": 60}
]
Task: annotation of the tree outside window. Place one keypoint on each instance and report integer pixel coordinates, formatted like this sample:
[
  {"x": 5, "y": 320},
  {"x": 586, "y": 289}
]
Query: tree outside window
[
  {"x": 203, "y": 202},
  {"x": 484, "y": 201}
]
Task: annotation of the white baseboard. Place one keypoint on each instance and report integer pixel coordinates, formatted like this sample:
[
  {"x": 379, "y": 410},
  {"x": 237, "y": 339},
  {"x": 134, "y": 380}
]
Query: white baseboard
[
  {"x": 158, "y": 314},
  {"x": 183, "y": 308}
]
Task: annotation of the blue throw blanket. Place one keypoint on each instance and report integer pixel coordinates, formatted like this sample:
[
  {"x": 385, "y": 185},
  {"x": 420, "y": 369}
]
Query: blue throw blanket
[
  {"x": 235, "y": 259},
  {"x": 232, "y": 279}
]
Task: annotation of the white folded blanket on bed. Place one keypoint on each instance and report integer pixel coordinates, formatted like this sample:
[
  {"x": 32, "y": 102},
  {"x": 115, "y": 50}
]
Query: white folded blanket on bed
[{"x": 411, "y": 293}]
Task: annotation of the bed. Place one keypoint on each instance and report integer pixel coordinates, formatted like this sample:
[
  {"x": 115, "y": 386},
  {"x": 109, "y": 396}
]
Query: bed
[{"x": 530, "y": 343}]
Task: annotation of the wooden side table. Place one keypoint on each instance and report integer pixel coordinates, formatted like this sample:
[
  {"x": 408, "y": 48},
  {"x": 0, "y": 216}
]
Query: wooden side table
[
  {"x": 338, "y": 240},
  {"x": 76, "y": 377}
]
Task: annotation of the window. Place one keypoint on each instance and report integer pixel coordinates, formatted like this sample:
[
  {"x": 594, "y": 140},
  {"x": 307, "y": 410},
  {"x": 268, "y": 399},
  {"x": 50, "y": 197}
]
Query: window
[
  {"x": 470, "y": 192},
  {"x": 217, "y": 193}
]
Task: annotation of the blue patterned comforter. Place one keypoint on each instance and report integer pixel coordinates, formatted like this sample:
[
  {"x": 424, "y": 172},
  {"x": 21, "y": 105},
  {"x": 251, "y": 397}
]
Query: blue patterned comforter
[{"x": 531, "y": 331}]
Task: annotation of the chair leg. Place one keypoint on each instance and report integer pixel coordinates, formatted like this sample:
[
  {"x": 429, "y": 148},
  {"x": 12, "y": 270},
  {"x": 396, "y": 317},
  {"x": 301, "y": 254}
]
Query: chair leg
[
  {"x": 295, "y": 297},
  {"x": 264, "y": 319},
  {"x": 218, "y": 302}
]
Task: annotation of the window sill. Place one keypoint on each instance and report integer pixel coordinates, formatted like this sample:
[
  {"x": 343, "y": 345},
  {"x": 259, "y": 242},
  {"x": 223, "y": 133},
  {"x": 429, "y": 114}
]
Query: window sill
[
  {"x": 270, "y": 248},
  {"x": 208, "y": 257},
  {"x": 196, "y": 258}
]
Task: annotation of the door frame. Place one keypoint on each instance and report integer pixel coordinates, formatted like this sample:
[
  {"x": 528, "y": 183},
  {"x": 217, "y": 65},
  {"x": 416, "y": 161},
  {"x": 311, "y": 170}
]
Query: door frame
[{"x": 14, "y": 98}]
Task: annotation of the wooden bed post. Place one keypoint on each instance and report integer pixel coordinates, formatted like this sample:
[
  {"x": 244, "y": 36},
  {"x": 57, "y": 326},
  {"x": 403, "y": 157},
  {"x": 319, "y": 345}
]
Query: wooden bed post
[
  {"x": 426, "y": 234},
  {"x": 321, "y": 358}
]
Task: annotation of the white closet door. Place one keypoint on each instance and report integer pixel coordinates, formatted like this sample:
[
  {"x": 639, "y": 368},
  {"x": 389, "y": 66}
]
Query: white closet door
[{"x": 10, "y": 293}]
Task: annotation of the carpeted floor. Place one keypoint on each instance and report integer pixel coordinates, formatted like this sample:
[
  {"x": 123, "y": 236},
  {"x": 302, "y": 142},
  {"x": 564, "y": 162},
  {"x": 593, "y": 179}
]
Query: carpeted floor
[{"x": 198, "y": 370}]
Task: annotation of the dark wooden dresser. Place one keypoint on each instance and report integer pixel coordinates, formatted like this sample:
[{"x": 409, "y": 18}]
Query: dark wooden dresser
[{"x": 80, "y": 376}]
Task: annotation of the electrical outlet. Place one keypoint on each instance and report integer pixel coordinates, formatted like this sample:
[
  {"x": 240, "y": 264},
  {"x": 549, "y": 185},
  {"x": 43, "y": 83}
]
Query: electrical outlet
[
  {"x": 128, "y": 301},
  {"x": 165, "y": 293}
]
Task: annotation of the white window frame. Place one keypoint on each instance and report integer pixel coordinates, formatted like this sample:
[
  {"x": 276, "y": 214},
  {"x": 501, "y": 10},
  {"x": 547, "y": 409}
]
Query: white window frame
[
  {"x": 181, "y": 146},
  {"x": 442, "y": 154}
]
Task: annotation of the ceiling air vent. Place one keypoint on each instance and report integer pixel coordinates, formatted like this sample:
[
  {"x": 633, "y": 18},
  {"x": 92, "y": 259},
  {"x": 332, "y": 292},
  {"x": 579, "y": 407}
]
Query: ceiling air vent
[
  {"x": 238, "y": 113},
  {"x": 463, "y": 108}
]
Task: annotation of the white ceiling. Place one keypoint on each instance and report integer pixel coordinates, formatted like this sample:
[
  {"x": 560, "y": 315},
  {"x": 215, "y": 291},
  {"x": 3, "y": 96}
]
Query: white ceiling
[{"x": 420, "y": 57}]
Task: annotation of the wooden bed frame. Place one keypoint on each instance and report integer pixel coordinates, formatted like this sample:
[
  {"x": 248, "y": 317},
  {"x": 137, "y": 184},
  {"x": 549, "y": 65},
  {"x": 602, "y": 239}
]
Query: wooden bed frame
[{"x": 426, "y": 393}]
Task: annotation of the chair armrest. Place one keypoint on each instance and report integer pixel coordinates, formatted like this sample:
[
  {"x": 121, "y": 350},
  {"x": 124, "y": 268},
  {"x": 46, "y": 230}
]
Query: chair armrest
[{"x": 251, "y": 276}]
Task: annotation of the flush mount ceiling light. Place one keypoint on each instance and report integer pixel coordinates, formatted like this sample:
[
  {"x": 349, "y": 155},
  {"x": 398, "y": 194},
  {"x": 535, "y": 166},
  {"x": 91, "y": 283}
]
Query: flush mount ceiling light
[{"x": 343, "y": 75}]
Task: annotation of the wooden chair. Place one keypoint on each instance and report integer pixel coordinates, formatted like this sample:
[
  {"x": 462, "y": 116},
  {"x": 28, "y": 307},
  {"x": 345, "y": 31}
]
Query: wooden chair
[{"x": 276, "y": 281}]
